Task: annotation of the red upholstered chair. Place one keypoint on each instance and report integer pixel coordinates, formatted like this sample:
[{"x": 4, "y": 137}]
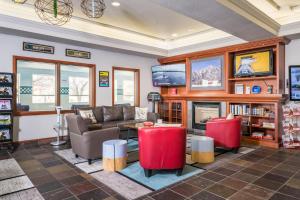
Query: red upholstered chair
[
  {"x": 162, "y": 148},
  {"x": 226, "y": 133}
]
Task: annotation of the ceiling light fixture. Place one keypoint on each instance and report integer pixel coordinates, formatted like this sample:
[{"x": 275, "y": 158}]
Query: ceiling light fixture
[
  {"x": 19, "y": 1},
  {"x": 93, "y": 8},
  {"x": 55, "y": 12},
  {"x": 115, "y": 3}
]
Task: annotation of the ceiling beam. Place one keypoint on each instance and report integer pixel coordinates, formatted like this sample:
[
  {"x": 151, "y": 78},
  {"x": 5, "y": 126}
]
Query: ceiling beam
[{"x": 237, "y": 17}]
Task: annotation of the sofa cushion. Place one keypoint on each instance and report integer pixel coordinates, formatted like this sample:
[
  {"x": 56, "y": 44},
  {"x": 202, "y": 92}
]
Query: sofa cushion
[
  {"x": 141, "y": 113},
  {"x": 93, "y": 127},
  {"x": 128, "y": 112},
  {"x": 110, "y": 124},
  {"x": 88, "y": 114},
  {"x": 98, "y": 112},
  {"x": 112, "y": 113}
]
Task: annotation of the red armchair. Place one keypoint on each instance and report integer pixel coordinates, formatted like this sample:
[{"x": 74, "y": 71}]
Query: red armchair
[
  {"x": 162, "y": 148},
  {"x": 226, "y": 133}
]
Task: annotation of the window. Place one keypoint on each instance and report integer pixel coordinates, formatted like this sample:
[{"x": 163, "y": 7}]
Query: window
[
  {"x": 43, "y": 84},
  {"x": 126, "y": 86},
  {"x": 74, "y": 86}
]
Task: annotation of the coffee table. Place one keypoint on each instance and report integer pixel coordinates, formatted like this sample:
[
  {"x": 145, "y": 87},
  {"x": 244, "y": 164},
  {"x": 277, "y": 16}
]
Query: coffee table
[{"x": 133, "y": 127}]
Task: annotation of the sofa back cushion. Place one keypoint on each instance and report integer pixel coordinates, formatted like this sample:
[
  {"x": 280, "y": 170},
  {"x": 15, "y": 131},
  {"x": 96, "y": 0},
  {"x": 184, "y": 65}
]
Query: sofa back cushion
[
  {"x": 112, "y": 113},
  {"x": 128, "y": 112},
  {"x": 98, "y": 112}
]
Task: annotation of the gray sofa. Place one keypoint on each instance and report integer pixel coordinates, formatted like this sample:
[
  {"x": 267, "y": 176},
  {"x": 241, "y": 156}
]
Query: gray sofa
[{"x": 87, "y": 137}]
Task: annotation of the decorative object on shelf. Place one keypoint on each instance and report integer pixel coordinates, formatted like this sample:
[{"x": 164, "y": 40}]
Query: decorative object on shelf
[
  {"x": 291, "y": 125},
  {"x": 55, "y": 12},
  {"x": 93, "y": 8},
  {"x": 239, "y": 89},
  {"x": 207, "y": 73},
  {"x": 40, "y": 48},
  {"x": 254, "y": 63},
  {"x": 173, "y": 91},
  {"x": 5, "y": 105},
  {"x": 256, "y": 89},
  {"x": 78, "y": 54},
  {"x": 19, "y": 1},
  {"x": 248, "y": 90},
  {"x": 294, "y": 83},
  {"x": 103, "y": 79}
]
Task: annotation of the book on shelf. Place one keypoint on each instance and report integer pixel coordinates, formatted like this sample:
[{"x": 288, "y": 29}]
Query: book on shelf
[{"x": 238, "y": 109}]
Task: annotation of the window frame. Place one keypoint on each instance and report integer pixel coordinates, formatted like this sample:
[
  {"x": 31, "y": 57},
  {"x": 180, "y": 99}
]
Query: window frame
[
  {"x": 136, "y": 85},
  {"x": 58, "y": 63}
]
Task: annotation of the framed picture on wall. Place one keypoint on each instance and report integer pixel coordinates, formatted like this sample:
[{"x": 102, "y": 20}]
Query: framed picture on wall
[
  {"x": 103, "y": 79},
  {"x": 5, "y": 91},
  {"x": 294, "y": 82},
  {"x": 40, "y": 48},
  {"x": 6, "y": 78},
  {"x": 4, "y": 134},
  {"x": 207, "y": 73},
  {"x": 78, "y": 54}
]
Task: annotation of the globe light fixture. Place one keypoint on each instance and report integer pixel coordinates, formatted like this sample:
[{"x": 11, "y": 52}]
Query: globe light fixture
[{"x": 93, "y": 8}]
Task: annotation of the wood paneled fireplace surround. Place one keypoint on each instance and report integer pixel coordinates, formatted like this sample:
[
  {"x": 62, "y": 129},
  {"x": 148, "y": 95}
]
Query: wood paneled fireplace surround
[{"x": 174, "y": 107}]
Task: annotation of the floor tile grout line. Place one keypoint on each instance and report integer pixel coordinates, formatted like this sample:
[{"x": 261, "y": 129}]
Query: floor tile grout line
[
  {"x": 10, "y": 193},
  {"x": 13, "y": 177}
]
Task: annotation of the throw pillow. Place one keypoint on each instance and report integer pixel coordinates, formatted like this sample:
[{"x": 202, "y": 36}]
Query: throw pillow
[
  {"x": 129, "y": 112},
  {"x": 230, "y": 116},
  {"x": 141, "y": 113},
  {"x": 88, "y": 114}
]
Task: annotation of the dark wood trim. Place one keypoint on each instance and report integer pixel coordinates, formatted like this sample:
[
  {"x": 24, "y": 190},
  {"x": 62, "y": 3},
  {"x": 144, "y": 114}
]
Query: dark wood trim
[
  {"x": 58, "y": 63},
  {"x": 137, "y": 77}
]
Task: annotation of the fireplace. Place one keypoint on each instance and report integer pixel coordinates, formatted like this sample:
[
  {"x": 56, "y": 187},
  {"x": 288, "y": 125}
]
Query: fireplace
[{"x": 202, "y": 112}]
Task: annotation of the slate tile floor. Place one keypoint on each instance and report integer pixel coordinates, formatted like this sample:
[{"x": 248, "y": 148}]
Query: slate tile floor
[{"x": 261, "y": 174}]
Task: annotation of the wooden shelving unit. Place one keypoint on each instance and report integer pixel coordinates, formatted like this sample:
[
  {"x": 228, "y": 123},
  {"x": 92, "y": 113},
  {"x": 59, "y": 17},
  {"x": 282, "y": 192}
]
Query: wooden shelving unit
[
  {"x": 277, "y": 80},
  {"x": 173, "y": 112}
]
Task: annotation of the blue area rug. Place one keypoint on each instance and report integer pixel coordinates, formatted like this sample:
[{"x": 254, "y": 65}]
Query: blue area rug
[
  {"x": 159, "y": 179},
  {"x": 132, "y": 145}
]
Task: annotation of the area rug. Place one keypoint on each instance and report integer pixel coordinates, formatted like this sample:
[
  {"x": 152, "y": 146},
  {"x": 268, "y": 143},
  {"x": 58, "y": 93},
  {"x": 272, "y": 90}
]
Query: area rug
[
  {"x": 14, "y": 184},
  {"x": 159, "y": 179}
]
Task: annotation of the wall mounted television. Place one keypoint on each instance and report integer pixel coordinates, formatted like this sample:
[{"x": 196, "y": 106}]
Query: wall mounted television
[
  {"x": 169, "y": 75},
  {"x": 294, "y": 82},
  {"x": 258, "y": 63}
]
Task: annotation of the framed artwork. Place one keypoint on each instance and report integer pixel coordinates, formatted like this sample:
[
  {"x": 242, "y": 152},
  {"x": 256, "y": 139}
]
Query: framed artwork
[
  {"x": 294, "y": 82},
  {"x": 78, "y": 54},
  {"x": 239, "y": 89},
  {"x": 5, "y": 91},
  {"x": 5, "y": 105},
  {"x": 5, "y": 134},
  {"x": 40, "y": 48},
  {"x": 6, "y": 78},
  {"x": 103, "y": 79},
  {"x": 5, "y": 119},
  {"x": 253, "y": 64},
  {"x": 207, "y": 73}
]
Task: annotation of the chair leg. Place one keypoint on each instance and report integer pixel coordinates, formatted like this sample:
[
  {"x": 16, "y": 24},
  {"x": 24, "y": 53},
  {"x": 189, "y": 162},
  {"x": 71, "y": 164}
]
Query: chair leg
[
  {"x": 179, "y": 172},
  {"x": 90, "y": 161},
  {"x": 235, "y": 150},
  {"x": 148, "y": 172},
  {"x": 76, "y": 155}
]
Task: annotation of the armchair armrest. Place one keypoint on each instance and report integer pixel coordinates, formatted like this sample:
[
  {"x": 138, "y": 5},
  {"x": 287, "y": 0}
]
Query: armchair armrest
[
  {"x": 153, "y": 117},
  {"x": 103, "y": 134}
]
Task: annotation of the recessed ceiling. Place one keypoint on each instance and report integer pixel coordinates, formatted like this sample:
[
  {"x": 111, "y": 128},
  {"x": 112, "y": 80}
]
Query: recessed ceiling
[
  {"x": 143, "y": 17},
  {"x": 282, "y": 11}
]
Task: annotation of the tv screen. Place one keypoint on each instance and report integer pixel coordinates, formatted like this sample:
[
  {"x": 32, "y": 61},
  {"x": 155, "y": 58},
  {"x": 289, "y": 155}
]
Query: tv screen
[
  {"x": 253, "y": 64},
  {"x": 294, "y": 72},
  {"x": 168, "y": 75}
]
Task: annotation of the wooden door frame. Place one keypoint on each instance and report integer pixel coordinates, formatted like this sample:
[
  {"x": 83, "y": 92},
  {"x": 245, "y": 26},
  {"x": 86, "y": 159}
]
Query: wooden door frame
[{"x": 137, "y": 85}]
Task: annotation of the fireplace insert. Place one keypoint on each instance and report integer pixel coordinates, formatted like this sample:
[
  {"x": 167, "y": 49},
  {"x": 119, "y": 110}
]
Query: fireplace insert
[{"x": 203, "y": 111}]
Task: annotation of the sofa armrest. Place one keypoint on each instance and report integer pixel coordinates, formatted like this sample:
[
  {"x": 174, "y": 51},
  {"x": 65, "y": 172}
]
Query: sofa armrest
[
  {"x": 102, "y": 134},
  {"x": 153, "y": 117}
]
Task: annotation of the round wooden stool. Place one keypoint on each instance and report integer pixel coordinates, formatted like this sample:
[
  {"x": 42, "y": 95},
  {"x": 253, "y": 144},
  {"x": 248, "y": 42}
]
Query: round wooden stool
[
  {"x": 114, "y": 155},
  {"x": 203, "y": 149}
]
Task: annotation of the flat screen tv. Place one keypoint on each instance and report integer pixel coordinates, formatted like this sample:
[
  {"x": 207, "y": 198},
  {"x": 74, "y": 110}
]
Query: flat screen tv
[
  {"x": 294, "y": 83},
  {"x": 169, "y": 75},
  {"x": 259, "y": 63}
]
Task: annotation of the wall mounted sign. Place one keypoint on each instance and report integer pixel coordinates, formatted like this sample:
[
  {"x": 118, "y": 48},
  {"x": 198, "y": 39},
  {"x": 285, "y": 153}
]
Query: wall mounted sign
[
  {"x": 40, "y": 48},
  {"x": 78, "y": 54},
  {"x": 103, "y": 79}
]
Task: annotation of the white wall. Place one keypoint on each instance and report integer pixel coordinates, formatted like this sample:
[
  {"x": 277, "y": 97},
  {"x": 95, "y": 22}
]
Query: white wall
[
  {"x": 292, "y": 57},
  {"x": 36, "y": 127}
]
